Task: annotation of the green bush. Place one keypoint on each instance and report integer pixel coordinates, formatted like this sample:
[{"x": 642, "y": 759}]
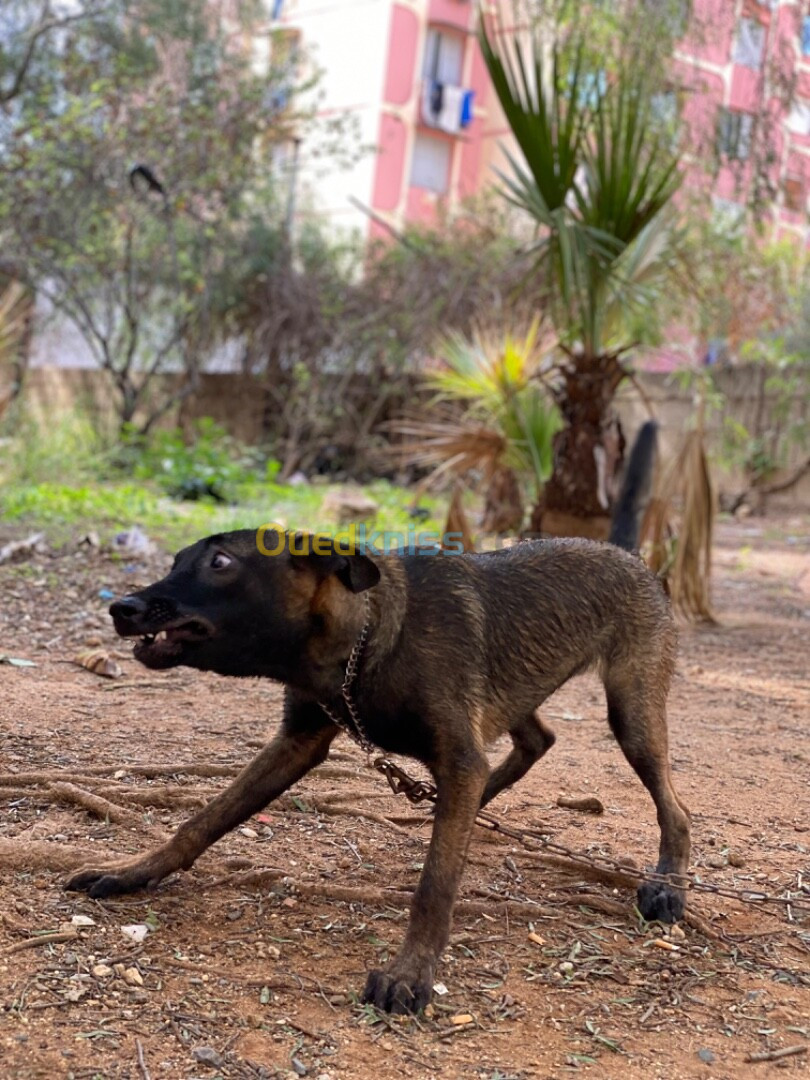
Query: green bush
[{"x": 209, "y": 467}]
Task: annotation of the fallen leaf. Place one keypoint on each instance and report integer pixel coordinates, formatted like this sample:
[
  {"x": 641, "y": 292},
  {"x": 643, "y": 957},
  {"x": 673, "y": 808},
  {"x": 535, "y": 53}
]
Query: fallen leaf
[
  {"x": 100, "y": 663},
  {"x": 537, "y": 939},
  {"x": 15, "y": 661},
  {"x": 588, "y": 805}
]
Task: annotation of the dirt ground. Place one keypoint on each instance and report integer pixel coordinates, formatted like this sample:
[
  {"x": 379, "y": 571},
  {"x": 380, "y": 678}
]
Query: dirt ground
[{"x": 253, "y": 960}]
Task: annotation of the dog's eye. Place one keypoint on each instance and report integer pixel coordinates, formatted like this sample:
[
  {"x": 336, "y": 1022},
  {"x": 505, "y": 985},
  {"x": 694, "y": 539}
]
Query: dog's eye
[{"x": 220, "y": 561}]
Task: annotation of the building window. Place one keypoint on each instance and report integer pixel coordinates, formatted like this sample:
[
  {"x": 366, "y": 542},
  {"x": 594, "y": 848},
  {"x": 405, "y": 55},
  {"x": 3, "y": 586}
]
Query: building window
[
  {"x": 734, "y": 134},
  {"x": 430, "y": 165},
  {"x": 793, "y": 191},
  {"x": 750, "y": 45},
  {"x": 444, "y": 58},
  {"x": 798, "y": 120}
]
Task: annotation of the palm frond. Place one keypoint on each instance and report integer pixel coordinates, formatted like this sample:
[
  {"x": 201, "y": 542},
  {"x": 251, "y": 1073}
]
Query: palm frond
[
  {"x": 596, "y": 172},
  {"x": 14, "y": 307},
  {"x": 449, "y": 447}
]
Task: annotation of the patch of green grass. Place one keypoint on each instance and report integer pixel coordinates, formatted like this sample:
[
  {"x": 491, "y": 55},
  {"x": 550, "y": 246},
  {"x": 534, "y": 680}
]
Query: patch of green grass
[
  {"x": 109, "y": 506},
  {"x": 67, "y": 478}
]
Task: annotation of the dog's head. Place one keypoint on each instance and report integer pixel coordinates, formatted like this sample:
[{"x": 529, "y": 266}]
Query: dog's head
[{"x": 251, "y": 603}]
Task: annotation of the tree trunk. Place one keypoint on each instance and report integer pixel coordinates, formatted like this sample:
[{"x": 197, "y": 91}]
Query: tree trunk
[
  {"x": 588, "y": 452},
  {"x": 503, "y": 509}
]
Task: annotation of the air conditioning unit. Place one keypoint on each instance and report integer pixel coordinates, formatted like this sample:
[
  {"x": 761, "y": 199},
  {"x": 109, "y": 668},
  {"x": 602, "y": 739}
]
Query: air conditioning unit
[{"x": 445, "y": 107}]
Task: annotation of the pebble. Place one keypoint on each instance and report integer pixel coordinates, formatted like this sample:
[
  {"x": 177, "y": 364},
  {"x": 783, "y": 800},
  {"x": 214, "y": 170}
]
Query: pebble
[
  {"x": 299, "y": 1068},
  {"x": 207, "y": 1055}
]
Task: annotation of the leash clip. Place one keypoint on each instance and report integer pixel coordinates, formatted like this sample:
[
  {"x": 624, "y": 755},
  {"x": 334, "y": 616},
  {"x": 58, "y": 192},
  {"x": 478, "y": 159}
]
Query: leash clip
[{"x": 415, "y": 791}]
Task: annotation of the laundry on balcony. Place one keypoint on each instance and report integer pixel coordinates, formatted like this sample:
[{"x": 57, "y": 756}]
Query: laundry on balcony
[{"x": 448, "y": 108}]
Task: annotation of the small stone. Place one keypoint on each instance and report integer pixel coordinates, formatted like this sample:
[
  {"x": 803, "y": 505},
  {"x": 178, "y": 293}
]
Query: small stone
[
  {"x": 716, "y": 862},
  {"x": 82, "y": 920},
  {"x": 251, "y": 834},
  {"x": 101, "y": 971},
  {"x": 299, "y": 1068},
  {"x": 133, "y": 977},
  {"x": 706, "y": 1056},
  {"x": 676, "y": 932},
  {"x": 207, "y": 1055},
  {"x": 345, "y": 505},
  {"x": 736, "y": 858},
  {"x": 135, "y": 932}
]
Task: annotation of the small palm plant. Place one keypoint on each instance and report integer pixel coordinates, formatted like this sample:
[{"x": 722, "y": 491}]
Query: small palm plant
[{"x": 492, "y": 416}]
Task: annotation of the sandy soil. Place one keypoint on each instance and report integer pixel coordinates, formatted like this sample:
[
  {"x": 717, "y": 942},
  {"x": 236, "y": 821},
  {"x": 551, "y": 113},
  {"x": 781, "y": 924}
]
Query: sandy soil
[{"x": 257, "y": 976}]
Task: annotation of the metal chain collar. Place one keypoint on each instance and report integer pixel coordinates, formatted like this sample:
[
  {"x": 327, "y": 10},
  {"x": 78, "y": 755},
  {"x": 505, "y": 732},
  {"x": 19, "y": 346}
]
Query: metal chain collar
[
  {"x": 417, "y": 791},
  {"x": 358, "y": 732}
]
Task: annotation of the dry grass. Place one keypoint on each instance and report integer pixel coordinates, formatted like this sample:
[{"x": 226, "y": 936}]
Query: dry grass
[{"x": 682, "y": 557}]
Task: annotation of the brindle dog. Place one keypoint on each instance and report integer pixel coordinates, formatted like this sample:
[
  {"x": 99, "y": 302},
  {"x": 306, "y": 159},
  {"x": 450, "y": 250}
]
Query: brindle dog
[{"x": 460, "y": 650}]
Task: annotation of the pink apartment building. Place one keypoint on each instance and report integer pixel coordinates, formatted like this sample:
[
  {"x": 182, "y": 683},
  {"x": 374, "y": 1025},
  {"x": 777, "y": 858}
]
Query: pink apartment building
[
  {"x": 743, "y": 71},
  {"x": 411, "y": 74}
]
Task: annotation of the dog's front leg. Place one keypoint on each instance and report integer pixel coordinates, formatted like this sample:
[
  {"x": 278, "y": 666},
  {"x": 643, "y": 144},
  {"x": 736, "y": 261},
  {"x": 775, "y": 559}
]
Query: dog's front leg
[
  {"x": 291, "y": 754},
  {"x": 406, "y": 984}
]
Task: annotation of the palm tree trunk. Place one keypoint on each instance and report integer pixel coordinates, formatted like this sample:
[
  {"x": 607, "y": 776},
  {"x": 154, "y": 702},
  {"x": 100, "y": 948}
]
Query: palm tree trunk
[{"x": 588, "y": 452}]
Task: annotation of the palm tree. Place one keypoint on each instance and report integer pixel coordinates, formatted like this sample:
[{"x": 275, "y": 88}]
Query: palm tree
[{"x": 598, "y": 175}]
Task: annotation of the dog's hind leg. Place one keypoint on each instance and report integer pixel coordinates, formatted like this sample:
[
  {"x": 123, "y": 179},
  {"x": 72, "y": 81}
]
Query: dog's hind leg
[
  {"x": 292, "y": 753},
  {"x": 639, "y": 724},
  {"x": 531, "y": 738}
]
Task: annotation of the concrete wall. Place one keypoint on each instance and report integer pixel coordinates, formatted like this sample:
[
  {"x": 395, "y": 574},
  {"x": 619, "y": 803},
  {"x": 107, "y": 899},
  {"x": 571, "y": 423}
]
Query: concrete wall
[{"x": 242, "y": 406}]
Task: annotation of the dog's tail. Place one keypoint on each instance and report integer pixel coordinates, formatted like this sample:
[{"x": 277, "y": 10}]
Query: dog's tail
[{"x": 628, "y": 512}]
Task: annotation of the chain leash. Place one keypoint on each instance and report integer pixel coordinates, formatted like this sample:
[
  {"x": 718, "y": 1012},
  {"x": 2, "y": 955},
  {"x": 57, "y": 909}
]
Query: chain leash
[{"x": 417, "y": 791}]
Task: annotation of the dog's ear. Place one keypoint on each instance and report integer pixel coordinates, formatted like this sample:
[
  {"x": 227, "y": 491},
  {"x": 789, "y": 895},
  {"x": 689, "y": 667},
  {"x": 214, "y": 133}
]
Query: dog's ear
[{"x": 318, "y": 555}]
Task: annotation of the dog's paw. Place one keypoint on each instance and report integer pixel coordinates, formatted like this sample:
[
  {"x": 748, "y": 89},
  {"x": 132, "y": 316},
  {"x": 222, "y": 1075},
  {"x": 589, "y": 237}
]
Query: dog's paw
[
  {"x": 111, "y": 880},
  {"x": 399, "y": 990},
  {"x": 660, "y": 903}
]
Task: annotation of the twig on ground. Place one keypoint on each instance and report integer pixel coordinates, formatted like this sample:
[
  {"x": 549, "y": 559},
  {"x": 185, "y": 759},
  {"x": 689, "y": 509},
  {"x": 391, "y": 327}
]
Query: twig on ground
[
  {"x": 777, "y": 1055},
  {"x": 142, "y": 1061},
  {"x": 94, "y": 804},
  {"x": 24, "y": 853},
  {"x": 42, "y": 939},
  {"x": 354, "y": 811},
  {"x": 24, "y": 547},
  {"x": 169, "y": 797}
]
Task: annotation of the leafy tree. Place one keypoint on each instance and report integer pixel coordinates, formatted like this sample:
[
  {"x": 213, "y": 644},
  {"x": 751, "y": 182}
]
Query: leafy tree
[
  {"x": 597, "y": 176},
  {"x": 137, "y": 137}
]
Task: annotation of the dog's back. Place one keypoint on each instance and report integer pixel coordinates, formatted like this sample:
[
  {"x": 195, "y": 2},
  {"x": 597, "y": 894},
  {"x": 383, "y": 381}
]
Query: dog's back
[{"x": 517, "y": 624}]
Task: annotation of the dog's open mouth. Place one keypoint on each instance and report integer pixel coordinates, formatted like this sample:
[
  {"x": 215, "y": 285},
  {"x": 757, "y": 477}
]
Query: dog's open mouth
[{"x": 165, "y": 647}]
